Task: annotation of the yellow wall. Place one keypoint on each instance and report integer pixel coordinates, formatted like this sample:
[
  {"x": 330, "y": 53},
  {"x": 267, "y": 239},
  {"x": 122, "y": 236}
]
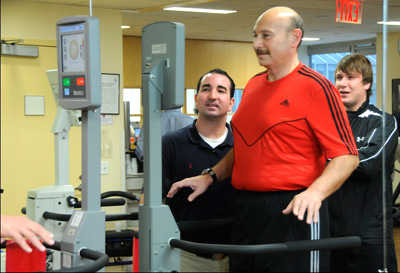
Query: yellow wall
[
  {"x": 392, "y": 67},
  {"x": 236, "y": 58},
  {"x": 393, "y": 72},
  {"x": 27, "y": 144}
]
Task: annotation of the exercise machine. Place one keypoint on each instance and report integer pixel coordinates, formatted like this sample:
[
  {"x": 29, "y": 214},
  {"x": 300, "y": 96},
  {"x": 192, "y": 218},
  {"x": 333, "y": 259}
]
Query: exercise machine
[
  {"x": 79, "y": 80},
  {"x": 163, "y": 51},
  {"x": 53, "y": 198}
]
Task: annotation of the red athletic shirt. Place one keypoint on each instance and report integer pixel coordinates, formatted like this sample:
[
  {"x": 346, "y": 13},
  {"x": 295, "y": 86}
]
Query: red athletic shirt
[{"x": 286, "y": 130}]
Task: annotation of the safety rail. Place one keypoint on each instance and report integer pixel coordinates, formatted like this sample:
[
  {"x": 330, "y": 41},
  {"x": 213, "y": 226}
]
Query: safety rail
[
  {"x": 103, "y": 203},
  {"x": 112, "y": 217},
  {"x": 127, "y": 195},
  {"x": 305, "y": 245}
]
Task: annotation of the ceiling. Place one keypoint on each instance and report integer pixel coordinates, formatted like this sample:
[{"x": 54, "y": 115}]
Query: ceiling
[{"x": 318, "y": 15}]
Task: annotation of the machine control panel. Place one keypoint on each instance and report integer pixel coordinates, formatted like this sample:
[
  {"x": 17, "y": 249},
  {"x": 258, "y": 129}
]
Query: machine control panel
[
  {"x": 74, "y": 86},
  {"x": 78, "y": 48}
]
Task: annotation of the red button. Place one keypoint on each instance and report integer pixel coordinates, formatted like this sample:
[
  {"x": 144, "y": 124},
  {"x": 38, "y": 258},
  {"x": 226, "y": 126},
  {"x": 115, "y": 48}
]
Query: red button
[{"x": 80, "y": 81}]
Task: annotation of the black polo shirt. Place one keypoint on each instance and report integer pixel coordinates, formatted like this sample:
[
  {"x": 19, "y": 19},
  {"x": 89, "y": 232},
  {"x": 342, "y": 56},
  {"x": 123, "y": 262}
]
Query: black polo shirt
[{"x": 185, "y": 154}]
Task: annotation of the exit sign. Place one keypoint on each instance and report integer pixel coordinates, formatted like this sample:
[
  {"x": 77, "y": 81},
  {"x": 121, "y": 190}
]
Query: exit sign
[{"x": 348, "y": 11}]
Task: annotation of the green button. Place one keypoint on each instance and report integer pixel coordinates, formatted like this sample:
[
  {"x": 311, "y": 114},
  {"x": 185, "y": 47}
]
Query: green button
[{"x": 66, "y": 81}]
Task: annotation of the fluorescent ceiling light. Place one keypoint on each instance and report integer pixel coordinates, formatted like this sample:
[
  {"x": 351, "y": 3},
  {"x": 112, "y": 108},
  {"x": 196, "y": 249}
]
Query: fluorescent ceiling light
[
  {"x": 216, "y": 11},
  {"x": 390, "y": 23},
  {"x": 310, "y": 39},
  {"x": 124, "y": 27},
  {"x": 130, "y": 11}
]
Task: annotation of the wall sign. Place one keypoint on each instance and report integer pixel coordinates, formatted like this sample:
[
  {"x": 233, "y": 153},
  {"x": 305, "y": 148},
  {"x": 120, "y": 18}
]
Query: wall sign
[
  {"x": 110, "y": 94},
  {"x": 348, "y": 11}
]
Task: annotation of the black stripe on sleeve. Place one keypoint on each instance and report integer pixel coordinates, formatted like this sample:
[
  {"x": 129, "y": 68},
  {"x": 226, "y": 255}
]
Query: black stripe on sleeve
[{"x": 333, "y": 102}]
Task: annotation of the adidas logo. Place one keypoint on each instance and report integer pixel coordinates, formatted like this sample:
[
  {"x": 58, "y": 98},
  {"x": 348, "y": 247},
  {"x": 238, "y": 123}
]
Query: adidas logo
[{"x": 285, "y": 103}]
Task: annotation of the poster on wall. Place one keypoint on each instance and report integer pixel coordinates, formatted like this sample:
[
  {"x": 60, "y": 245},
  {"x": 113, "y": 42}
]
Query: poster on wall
[
  {"x": 395, "y": 95},
  {"x": 110, "y": 94}
]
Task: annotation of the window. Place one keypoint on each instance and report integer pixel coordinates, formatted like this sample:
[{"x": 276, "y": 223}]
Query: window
[
  {"x": 190, "y": 103},
  {"x": 326, "y": 65},
  {"x": 133, "y": 96},
  {"x": 324, "y": 58},
  {"x": 238, "y": 97}
]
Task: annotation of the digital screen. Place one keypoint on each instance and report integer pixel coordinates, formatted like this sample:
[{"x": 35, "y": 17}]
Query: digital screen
[{"x": 73, "y": 57}]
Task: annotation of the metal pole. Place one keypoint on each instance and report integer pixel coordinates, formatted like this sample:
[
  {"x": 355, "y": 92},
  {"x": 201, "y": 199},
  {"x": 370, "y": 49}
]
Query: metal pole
[
  {"x": 156, "y": 225},
  {"x": 384, "y": 76},
  {"x": 91, "y": 154}
]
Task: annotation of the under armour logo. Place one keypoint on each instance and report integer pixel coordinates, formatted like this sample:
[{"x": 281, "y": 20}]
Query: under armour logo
[
  {"x": 359, "y": 139},
  {"x": 285, "y": 103}
]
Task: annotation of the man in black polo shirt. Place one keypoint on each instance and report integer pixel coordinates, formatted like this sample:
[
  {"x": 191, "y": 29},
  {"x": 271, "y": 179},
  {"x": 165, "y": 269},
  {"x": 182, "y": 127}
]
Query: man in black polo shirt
[{"x": 189, "y": 151}]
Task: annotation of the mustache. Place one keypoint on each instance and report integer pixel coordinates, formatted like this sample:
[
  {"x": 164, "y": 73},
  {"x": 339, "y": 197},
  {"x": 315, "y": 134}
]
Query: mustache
[{"x": 262, "y": 51}]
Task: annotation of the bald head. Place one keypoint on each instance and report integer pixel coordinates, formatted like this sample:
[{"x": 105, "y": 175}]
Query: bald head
[{"x": 285, "y": 16}]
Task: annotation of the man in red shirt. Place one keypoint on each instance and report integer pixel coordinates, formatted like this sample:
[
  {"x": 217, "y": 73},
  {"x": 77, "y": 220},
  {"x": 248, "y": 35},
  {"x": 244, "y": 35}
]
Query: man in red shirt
[{"x": 290, "y": 122}]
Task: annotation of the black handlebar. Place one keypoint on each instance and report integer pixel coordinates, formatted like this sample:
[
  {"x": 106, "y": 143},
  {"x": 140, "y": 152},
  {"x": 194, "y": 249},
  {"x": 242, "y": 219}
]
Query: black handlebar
[
  {"x": 127, "y": 195},
  {"x": 105, "y": 202},
  {"x": 308, "y": 245},
  {"x": 113, "y": 217}
]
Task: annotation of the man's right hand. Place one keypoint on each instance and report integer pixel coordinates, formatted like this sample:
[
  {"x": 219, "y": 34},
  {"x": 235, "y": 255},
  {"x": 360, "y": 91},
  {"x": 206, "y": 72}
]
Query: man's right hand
[{"x": 199, "y": 184}]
